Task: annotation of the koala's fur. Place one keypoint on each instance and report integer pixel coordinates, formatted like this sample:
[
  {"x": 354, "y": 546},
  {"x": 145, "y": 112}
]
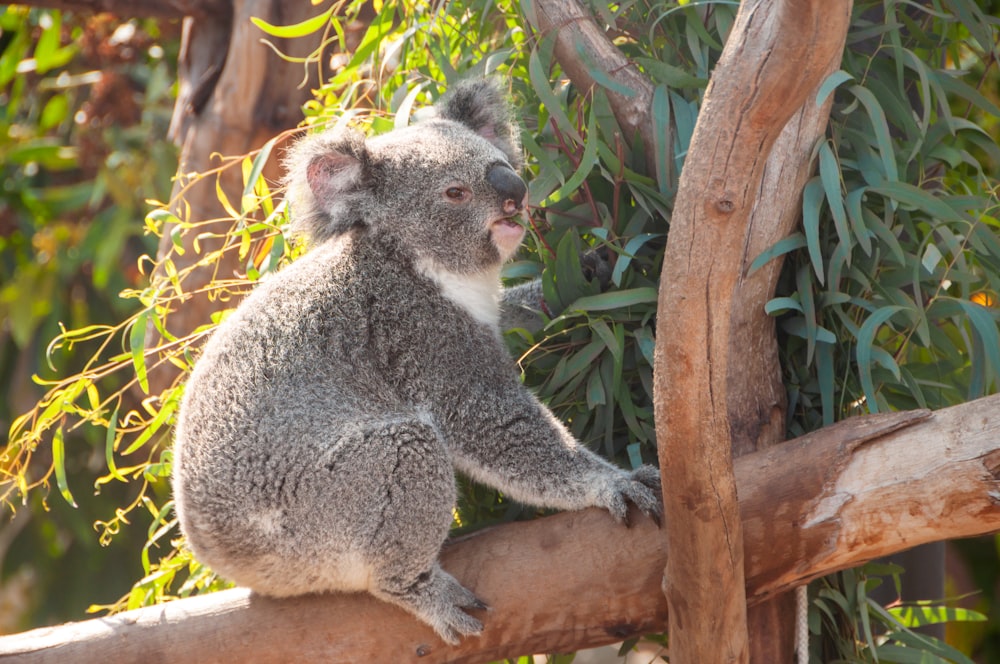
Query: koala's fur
[{"x": 320, "y": 428}]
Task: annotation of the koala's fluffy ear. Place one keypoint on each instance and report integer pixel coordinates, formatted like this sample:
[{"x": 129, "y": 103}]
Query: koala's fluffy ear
[
  {"x": 482, "y": 106},
  {"x": 328, "y": 181}
]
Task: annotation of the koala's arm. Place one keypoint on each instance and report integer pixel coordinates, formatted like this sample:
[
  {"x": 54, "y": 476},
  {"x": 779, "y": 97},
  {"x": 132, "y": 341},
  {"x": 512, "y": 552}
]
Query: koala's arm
[
  {"x": 522, "y": 306},
  {"x": 504, "y": 437}
]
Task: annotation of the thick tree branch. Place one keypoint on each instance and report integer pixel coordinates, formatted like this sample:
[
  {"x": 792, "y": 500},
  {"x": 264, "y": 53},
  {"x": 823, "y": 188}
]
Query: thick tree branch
[
  {"x": 580, "y": 47},
  {"x": 144, "y": 9},
  {"x": 757, "y": 407},
  {"x": 810, "y": 507},
  {"x": 775, "y": 57}
]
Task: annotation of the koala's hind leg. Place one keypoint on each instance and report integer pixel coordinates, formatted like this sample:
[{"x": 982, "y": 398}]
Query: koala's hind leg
[{"x": 416, "y": 513}]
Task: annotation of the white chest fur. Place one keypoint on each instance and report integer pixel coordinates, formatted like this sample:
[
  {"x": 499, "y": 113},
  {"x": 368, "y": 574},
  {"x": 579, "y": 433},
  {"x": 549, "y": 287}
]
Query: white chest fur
[{"x": 478, "y": 294}]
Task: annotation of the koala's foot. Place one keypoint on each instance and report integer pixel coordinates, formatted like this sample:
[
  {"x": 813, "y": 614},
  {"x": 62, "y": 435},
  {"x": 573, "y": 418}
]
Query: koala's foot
[
  {"x": 436, "y": 598},
  {"x": 641, "y": 487}
]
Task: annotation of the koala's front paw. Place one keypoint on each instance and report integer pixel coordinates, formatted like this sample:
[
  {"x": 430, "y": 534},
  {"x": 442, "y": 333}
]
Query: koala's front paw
[
  {"x": 641, "y": 487},
  {"x": 596, "y": 265}
]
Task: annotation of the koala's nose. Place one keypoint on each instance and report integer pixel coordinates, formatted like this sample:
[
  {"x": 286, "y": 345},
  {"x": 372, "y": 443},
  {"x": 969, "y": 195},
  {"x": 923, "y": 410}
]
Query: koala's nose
[{"x": 509, "y": 186}]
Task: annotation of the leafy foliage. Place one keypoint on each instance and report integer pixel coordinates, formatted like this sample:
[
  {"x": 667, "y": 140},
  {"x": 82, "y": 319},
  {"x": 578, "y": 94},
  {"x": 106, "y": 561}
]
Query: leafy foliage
[
  {"x": 892, "y": 303},
  {"x": 888, "y": 298},
  {"x": 79, "y": 99}
]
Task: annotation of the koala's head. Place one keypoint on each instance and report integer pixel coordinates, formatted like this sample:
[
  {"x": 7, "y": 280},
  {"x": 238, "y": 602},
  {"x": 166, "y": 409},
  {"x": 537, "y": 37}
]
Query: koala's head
[{"x": 446, "y": 187}]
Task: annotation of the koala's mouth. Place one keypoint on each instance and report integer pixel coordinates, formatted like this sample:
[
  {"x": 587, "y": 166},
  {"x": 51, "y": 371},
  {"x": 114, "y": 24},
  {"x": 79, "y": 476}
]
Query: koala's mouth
[{"x": 507, "y": 234}]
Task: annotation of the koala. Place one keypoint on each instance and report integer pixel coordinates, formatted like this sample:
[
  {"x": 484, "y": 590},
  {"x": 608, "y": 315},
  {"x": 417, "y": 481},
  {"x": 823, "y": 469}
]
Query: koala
[{"x": 322, "y": 424}]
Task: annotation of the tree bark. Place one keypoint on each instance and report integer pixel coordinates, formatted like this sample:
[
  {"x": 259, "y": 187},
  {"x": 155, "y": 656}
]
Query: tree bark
[
  {"x": 581, "y": 46},
  {"x": 810, "y": 507},
  {"x": 759, "y": 409},
  {"x": 714, "y": 345}
]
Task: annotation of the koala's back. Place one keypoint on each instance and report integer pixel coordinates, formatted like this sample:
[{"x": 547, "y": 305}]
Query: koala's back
[{"x": 279, "y": 454}]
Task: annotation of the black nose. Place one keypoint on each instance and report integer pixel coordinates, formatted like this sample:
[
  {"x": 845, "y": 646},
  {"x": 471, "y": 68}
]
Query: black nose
[{"x": 508, "y": 185}]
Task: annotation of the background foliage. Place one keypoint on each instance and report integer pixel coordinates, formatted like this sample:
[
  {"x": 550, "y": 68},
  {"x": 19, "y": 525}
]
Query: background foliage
[
  {"x": 888, "y": 299},
  {"x": 80, "y": 100}
]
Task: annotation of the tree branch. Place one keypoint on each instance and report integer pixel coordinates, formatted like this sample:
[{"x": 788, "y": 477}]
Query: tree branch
[
  {"x": 777, "y": 54},
  {"x": 810, "y": 507},
  {"x": 581, "y": 46}
]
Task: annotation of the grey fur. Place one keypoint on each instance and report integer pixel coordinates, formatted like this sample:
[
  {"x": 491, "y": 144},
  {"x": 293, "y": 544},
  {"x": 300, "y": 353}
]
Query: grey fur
[{"x": 320, "y": 428}]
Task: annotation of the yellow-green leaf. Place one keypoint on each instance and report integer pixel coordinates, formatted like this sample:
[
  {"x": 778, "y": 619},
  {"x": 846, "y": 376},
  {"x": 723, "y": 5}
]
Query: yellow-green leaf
[{"x": 306, "y": 27}]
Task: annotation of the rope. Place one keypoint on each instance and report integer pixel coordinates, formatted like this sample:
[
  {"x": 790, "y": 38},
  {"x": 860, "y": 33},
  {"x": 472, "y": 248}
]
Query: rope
[{"x": 802, "y": 623}]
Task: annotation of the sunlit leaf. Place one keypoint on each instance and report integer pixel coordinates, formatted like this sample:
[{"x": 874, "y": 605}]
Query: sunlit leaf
[{"x": 302, "y": 29}]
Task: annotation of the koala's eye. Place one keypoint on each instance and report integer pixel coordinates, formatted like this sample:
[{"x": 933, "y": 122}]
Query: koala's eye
[{"x": 457, "y": 194}]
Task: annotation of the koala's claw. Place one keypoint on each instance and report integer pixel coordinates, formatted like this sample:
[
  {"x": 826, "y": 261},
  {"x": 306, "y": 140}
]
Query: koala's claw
[
  {"x": 446, "y": 615},
  {"x": 477, "y": 604},
  {"x": 641, "y": 487},
  {"x": 456, "y": 624}
]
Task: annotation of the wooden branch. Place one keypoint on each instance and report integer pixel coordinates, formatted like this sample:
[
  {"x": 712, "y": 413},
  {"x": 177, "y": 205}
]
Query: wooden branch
[
  {"x": 810, "y": 507},
  {"x": 581, "y": 46},
  {"x": 757, "y": 406},
  {"x": 776, "y": 56},
  {"x": 130, "y": 9}
]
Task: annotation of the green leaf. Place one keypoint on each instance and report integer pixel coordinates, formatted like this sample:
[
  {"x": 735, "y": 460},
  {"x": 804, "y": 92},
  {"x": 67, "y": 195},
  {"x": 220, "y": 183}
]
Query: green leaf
[
  {"x": 971, "y": 17},
  {"x": 812, "y": 201},
  {"x": 866, "y": 625},
  {"x": 832, "y": 82},
  {"x": 615, "y": 300},
  {"x": 829, "y": 173},
  {"x": 634, "y": 455},
  {"x": 539, "y": 75},
  {"x": 780, "y": 305},
  {"x": 588, "y": 161},
  {"x": 161, "y": 418},
  {"x": 660, "y": 109},
  {"x": 595, "y": 391},
  {"x": 855, "y": 214},
  {"x": 54, "y": 112},
  {"x": 628, "y": 253},
  {"x": 59, "y": 463},
  {"x": 916, "y": 198},
  {"x": 985, "y": 327},
  {"x": 877, "y": 117},
  {"x": 922, "y": 613},
  {"x": 865, "y": 350},
  {"x": 825, "y": 378},
  {"x": 804, "y": 287},
  {"x": 613, "y": 342},
  {"x": 109, "y": 445},
  {"x": 780, "y": 248},
  {"x": 137, "y": 347},
  {"x": 306, "y": 27},
  {"x": 255, "y": 170},
  {"x": 669, "y": 75}
]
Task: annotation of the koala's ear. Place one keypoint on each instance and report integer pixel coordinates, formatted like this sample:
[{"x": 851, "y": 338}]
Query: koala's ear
[
  {"x": 481, "y": 105},
  {"x": 328, "y": 181}
]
